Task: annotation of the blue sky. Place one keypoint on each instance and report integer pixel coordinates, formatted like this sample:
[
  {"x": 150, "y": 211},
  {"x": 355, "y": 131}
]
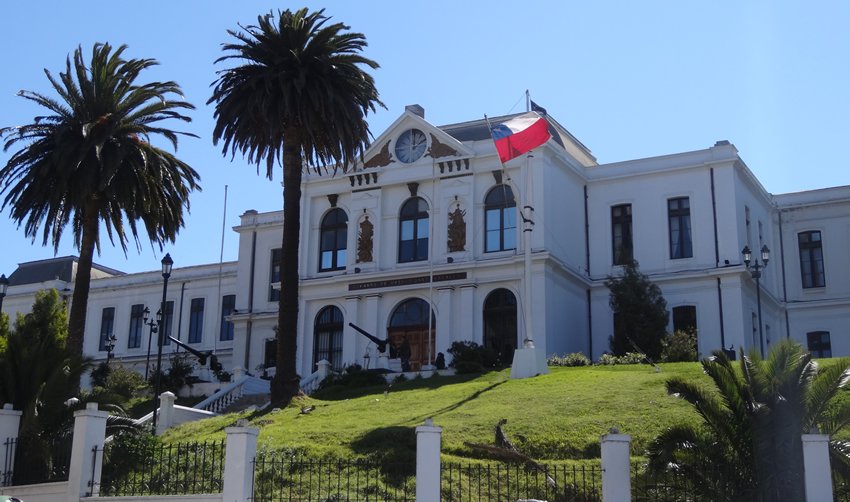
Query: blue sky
[{"x": 629, "y": 79}]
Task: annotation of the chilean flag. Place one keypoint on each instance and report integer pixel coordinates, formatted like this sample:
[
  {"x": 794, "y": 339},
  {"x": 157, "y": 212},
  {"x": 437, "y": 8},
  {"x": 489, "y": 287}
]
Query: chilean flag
[{"x": 519, "y": 135}]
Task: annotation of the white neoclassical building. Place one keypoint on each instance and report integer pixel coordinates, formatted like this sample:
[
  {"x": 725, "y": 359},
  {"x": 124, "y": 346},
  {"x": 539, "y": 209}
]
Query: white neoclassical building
[{"x": 423, "y": 243}]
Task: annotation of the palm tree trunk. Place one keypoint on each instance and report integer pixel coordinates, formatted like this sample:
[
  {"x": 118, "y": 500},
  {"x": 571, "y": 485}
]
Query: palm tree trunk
[
  {"x": 286, "y": 383},
  {"x": 82, "y": 282}
]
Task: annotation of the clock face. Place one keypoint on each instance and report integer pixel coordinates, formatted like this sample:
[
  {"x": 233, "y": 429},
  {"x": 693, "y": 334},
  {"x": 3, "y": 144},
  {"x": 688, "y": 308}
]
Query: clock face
[{"x": 410, "y": 145}]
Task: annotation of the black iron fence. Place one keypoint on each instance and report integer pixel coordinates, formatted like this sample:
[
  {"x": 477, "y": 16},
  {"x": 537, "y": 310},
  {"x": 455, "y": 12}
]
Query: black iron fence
[
  {"x": 35, "y": 460},
  {"x": 281, "y": 477},
  {"x": 708, "y": 483},
  {"x": 517, "y": 481},
  {"x": 142, "y": 466}
]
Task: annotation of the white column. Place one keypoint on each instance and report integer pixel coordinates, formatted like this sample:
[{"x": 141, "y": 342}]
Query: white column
[
  {"x": 370, "y": 325},
  {"x": 10, "y": 421},
  {"x": 166, "y": 412},
  {"x": 240, "y": 451},
  {"x": 89, "y": 433},
  {"x": 616, "y": 481},
  {"x": 466, "y": 327},
  {"x": 428, "y": 439},
  {"x": 444, "y": 320},
  {"x": 350, "y": 337},
  {"x": 816, "y": 467}
]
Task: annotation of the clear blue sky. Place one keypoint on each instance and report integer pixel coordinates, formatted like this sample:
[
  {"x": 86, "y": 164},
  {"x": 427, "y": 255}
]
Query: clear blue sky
[{"x": 629, "y": 79}]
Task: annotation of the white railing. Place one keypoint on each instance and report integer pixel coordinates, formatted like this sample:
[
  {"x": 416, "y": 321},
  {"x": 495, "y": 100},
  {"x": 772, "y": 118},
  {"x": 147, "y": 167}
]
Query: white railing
[
  {"x": 310, "y": 384},
  {"x": 229, "y": 394}
]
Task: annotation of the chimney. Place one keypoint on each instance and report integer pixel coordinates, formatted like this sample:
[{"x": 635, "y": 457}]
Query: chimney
[{"x": 416, "y": 110}]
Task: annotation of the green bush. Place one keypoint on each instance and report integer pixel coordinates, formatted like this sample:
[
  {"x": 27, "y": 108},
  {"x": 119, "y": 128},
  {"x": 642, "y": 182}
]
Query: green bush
[
  {"x": 353, "y": 376},
  {"x": 627, "y": 358},
  {"x": 124, "y": 382},
  {"x": 469, "y": 357},
  {"x": 680, "y": 346},
  {"x": 573, "y": 359}
]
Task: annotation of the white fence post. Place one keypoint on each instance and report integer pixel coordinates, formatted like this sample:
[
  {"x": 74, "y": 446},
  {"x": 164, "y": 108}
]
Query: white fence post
[
  {"x": 166, "y": 412},
  {"x": 240, "y": 451},
  {"x": 428, "y": 439},
  {"x": 10, "y": 421},
  {"x": 323, "y": 368},
  {"x": 89, "y": 433},
  {"x": 816, "y": 467},
  {"x": 616, "y": 478}
]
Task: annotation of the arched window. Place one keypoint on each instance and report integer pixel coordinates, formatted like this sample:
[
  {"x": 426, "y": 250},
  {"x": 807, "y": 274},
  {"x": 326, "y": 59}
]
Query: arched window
[
  {"x": 327, "y": 337},
  {"x": 334, "y": 236},
  {"x": 413, "y": 231},
  {"x": 500, "y": 324},
  {"x": 408, "y": 333},
  {"x": 500, "y": 219}
]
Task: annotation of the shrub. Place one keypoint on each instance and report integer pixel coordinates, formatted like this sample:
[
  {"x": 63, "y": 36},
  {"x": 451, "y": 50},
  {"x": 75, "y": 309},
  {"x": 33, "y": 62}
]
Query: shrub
[
  {"x": 627, "y": 358},
  {"x": 124, "y": 382},
  {"x": 353, "y": 376},
  {"x": 573, "y": 359},
  {"x": 469, "y": 357},
  {"x": 680, "y": 346}
]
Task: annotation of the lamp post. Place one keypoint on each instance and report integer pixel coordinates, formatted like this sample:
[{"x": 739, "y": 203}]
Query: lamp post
[
  {"x": 153, "y": 323},
  {"x": 167, "y": 263},
  {"x": 755, "y": 272},
  {"x": 110, "y": 346},
  {"x": 4, "y": 285}
]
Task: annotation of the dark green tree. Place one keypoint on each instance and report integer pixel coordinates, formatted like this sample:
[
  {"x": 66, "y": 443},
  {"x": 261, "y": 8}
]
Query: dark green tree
[
  {"x": 298, "y": 94},
  {"x": 640, "y": 313},
  {"x": 749, "y": 445},
  {"x": 91, "y": 161}
]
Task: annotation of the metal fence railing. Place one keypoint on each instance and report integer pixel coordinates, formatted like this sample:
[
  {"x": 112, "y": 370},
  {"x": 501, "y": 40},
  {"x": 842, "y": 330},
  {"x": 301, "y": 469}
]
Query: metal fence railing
[
  {"x": 162, "y": 469},
  {"x": 279, "y": 477},
  {"x": 708, "y": 483},
  {"x": 518, "y": 481},
  {"x": 35, "y": 460}
]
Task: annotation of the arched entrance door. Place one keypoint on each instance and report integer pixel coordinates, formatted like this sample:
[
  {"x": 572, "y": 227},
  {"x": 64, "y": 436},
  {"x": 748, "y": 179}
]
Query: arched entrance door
[
  {"x": 409, "y": 334},
  {"x": 500, "y": 330}
]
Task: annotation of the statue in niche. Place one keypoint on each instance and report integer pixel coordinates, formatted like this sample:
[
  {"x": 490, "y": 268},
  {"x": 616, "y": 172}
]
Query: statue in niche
[
  {"x": 457, "y": 230},
  {"x": 364, "y": 241}
]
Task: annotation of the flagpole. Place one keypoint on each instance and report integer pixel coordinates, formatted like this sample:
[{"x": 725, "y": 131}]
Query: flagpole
[{"x": 527, "y": 101}]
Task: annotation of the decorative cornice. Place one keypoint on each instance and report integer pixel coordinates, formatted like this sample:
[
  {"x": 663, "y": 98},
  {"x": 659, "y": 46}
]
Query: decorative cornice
[
  {"x": 381, "y": 159},
  {"x": 439, "y": 150}
]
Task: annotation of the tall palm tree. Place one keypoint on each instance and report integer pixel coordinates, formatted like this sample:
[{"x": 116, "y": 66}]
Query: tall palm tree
[
  {"x": 91, "y": 160},
  {"x": 749, "y": 446},
  {"x": 299, "y": 93}
]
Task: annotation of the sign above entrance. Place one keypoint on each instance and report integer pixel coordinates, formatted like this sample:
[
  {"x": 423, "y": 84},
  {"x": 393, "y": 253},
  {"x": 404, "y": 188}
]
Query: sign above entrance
[{"x": 392, "y": 283}]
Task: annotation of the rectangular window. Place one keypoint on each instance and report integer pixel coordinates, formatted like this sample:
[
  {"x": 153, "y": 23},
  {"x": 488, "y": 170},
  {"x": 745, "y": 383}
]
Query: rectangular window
[
  {"x": 134, "y": 340},
  {"x": 270, "y": 354},
  {"x": 228, "y": 304},
  {"x": 679, "y": 216},
  {"x": 621, "y": 233},
  {"x": 819, "y": 344},
  {"x": 167, "y": 322},
  {"x": 274, "y": 275},
  {"x": 811, "y": 259},
  {"x": 685, "y": 318},
  {"x": 107, "y": 321},
  {"x": 196, "y": 320}
]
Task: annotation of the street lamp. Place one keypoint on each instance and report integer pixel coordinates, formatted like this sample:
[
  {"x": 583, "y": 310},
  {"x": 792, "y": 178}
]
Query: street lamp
[
  {"x": 167, "y": 263},
  {"x": 110, "y": 346},
  {"x": 4, "y": 285},
  {"x": 755, "y": 272},
  {"x": 153, "y": 323}
]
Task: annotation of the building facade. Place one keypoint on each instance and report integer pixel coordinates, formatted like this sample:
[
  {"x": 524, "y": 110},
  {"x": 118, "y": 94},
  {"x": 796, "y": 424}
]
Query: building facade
[{"x": 427, "y": 241}]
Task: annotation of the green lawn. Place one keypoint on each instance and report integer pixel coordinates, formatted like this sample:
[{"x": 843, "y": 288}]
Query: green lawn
[{"x": 552, "y": 417}]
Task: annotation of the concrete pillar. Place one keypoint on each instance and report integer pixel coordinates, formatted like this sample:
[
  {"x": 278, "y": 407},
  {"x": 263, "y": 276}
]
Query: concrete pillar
[
  {"x": 350, "y": 338},
  {"x": 445, "y": 314},
  {"x": 818, "y": 472},
  {"x": 89, "y": 434},
  {"x": 616, "y": 468},
  {"x": 323, "y": 369},
  {"x": 166, "y": 412},
  {"x": 238, "y": 373},
  {"x": 10, "y": 421},
  {"x": 466, "y": 324},
  {"x": 370, "y": 325},
  {"x": 240, "y": 451},
  {"x": 428, "y": 439}
]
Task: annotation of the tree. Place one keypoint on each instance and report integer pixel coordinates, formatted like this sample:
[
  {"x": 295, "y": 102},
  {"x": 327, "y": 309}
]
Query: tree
[
  {"x": 299, "y": 93},
  {"x": 92, "y": 160},
  {"x": 640, "y": 312},
  {"x": 749, "y": 445}
]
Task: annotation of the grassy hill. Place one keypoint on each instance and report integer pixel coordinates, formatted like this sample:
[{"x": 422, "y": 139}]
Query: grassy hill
[{"x": 551, "y": 417}]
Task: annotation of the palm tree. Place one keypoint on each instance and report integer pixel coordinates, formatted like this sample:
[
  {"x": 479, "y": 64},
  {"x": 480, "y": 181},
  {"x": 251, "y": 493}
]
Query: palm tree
[
  {"x": 91, "y": 159},
  {"x": 299, "y": 93},
  {"x": 749, "y": 446}
]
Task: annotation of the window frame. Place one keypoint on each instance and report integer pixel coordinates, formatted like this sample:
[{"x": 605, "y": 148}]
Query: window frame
[
  {"x": 418, "y": 246},
  {"x": 816, "y": 274},
  {"x": 226, "y": 328},
  {"x": 622, "y": 252},
  {"x": 497, "y": 202},
  {"x": 275, "y": 262},
  {"x": 821, "y": 348},
  {"x": 338, "y": 230},
  {"x": 330, "y": 322},
  {"x": 107, "y": 326},
  {"x": 196, "y": 320},
  {"x": 683, "y": 246},
  {"x": 136, "y": 326}
]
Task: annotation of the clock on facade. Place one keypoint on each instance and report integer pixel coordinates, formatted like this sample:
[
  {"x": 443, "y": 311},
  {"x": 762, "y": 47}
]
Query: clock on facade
[{"x": 410, "y": 145}]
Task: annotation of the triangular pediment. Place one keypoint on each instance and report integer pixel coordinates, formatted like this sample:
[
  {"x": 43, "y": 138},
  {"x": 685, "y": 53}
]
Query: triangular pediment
[{"x": 441, "y": 147}]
